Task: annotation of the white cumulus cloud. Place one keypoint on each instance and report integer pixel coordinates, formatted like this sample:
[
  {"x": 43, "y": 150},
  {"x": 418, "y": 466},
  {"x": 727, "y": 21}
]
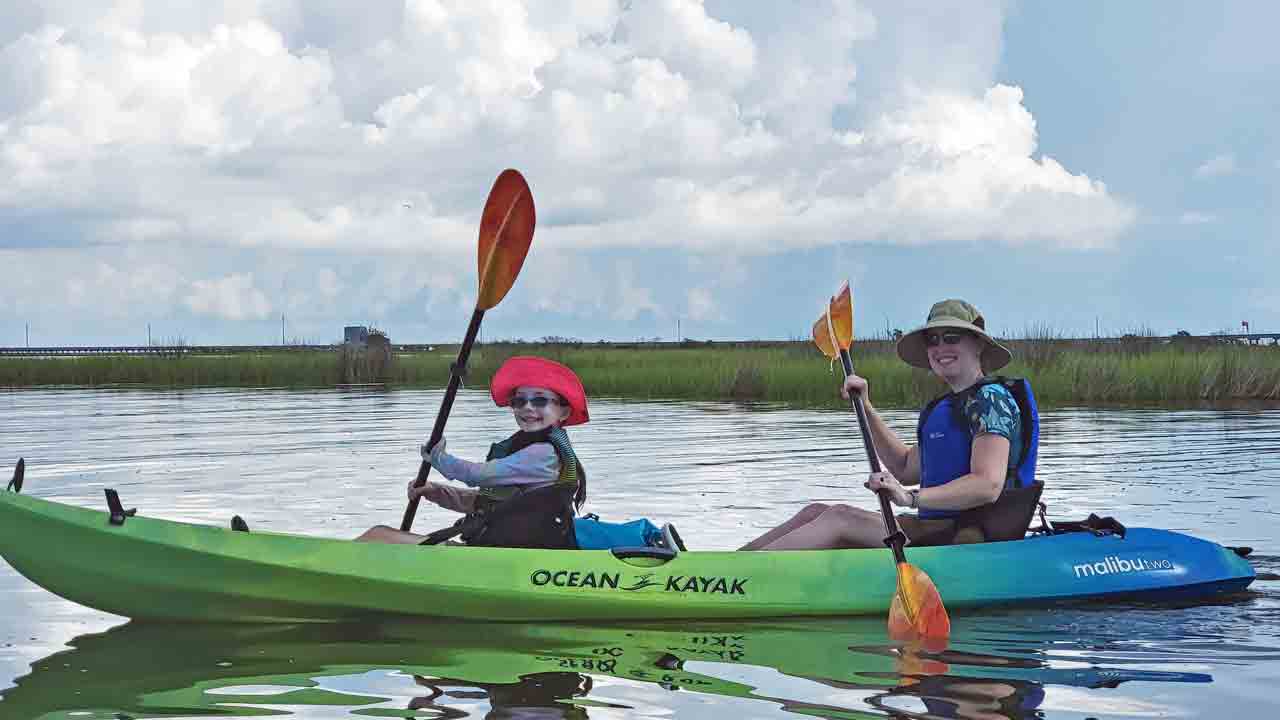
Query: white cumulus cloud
[
  {"x": 639, "y": 123},
  {"x": 233, "y": 297},
  {"x": 351, "y": 137}
]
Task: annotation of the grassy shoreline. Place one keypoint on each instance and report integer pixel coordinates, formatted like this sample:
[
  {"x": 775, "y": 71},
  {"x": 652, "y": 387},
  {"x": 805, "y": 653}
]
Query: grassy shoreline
[{"x": 791, "y": 373}]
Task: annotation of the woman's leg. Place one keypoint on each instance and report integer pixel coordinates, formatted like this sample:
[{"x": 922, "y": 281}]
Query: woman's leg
[
  {"x": 803, "y": 517},
  {"x": 839, "y": 526},
  {"x": 385, "y": 534}
]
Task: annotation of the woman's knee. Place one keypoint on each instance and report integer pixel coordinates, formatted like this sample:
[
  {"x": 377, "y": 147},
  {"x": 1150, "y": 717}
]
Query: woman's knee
[
  {"x": 376, "y": 532},
  {"x": 814, "y": 509},
  {"x": 843, "y": 512},
  {"x": 847, "y": 516}
]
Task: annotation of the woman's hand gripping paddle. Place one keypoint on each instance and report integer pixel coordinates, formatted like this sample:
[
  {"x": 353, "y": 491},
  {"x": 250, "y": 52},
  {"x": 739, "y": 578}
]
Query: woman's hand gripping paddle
[
  {"x": 917, "y": 610},
  {"x": 506, "y": 231}
]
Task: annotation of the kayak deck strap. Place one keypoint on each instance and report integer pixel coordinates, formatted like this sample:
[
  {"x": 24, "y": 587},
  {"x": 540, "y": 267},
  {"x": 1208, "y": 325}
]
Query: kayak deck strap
[{"x": 1099, "y": 526}]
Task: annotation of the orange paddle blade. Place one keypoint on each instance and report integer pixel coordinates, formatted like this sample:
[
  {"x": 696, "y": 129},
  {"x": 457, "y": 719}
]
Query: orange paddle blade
[
  {"x": 841, "y": 313},
  {"x": 917, "y": 611},
  {"x": 822, "y": 337},
  {"x": 506, "y": 231},
  {"x": 914, "y": 661}
]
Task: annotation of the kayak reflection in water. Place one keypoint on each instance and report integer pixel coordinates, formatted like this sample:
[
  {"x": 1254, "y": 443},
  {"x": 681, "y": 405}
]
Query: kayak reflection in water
[
  {"x": 549, "y": 695},
  {"x": 536, "y": 696},
  {"x": 552, "y": 670},
  {"x": 528, "y": 489},
  {"x": 971, "y": 699},
  {"x": 975, "y": 442}
]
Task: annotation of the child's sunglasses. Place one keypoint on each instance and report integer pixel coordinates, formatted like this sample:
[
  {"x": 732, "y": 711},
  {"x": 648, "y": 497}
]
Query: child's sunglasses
[
  {"x": 537, "y": 401},
  {"x": 948, "y": 338}
]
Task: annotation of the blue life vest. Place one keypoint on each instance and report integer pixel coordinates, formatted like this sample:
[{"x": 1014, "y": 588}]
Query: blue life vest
[{"x": 945, "y": 440}]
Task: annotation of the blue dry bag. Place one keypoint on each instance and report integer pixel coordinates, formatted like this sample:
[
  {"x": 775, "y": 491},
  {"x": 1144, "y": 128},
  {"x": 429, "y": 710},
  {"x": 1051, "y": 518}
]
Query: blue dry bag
[{"x": 595, "y": 534}]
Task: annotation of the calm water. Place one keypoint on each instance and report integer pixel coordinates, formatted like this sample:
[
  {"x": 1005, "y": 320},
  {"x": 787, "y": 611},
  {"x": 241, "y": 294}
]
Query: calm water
[{"x": 334, "y": 463}]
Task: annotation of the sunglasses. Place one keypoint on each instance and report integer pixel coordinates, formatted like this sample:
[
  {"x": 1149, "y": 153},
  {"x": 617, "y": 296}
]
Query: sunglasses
[
  {"x": 537, "y": 401},
  {"x": 947, "y": 338}
]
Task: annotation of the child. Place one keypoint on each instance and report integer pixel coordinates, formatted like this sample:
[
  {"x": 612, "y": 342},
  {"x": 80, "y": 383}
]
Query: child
[{"x": 530, "y": 486}]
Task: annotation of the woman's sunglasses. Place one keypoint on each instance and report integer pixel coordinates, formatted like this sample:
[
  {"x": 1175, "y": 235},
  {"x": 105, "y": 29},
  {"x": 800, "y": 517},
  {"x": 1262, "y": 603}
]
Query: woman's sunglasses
[
  {"x": 537, "y": 401},
  {"x": 947, "y": 338}
]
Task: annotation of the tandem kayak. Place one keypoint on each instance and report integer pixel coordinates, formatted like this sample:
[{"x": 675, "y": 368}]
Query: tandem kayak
[{"x": 146, "y": 568}]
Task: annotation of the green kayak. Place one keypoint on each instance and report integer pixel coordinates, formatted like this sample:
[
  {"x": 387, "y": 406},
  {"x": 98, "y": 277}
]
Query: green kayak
[{"x": 156, "y": 569}]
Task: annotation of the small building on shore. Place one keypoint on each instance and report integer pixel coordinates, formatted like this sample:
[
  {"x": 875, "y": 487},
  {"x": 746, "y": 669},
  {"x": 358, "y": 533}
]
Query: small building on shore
[
  {"x": 365, "y": 355},
  {"x": 355, "y": 335}
]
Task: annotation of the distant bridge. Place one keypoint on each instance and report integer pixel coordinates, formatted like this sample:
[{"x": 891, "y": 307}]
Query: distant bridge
[
  {"x": 1251, "y": 338},
  {"x": 177, "y": 350},
  {"x": 1248, "y": 338},
  {"x": 171, "y": 350}
]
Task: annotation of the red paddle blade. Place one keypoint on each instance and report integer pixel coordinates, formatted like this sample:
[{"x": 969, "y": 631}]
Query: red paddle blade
[
  {"x": 841, "y": 313},
  {"x": 506, "y": 231},
  {"x": 917, "y": 611}
]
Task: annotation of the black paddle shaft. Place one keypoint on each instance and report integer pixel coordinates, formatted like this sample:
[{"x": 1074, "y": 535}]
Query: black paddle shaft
[
  {"x": 894, "y": 538},
  {"x": 437, "y": 432}
]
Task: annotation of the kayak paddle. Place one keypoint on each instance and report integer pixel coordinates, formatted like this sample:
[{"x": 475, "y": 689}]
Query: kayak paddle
[
  {"x": 917, "y": 609},
  {"x": 506, "y": 231}
]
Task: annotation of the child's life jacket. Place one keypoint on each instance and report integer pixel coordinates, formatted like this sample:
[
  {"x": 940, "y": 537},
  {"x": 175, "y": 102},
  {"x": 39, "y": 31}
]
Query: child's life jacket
[{"x": 513, "y": 516}]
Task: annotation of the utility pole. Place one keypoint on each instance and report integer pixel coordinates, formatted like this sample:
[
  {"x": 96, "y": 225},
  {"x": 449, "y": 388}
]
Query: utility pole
[
  {"x": 282, "y": 329},
  {"x": 678, "y": 330},
  {"x": 28, "y": 335},
  {"x": 148, "y": 334}
]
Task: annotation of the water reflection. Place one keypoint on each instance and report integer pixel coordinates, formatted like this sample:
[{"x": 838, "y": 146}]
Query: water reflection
[{"x": 843, "y": 668}]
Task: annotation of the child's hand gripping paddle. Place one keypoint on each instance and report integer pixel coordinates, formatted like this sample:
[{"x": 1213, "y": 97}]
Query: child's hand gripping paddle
[
  {"x": 917, "y": 610},
  {"x": 506, "y": 231}
]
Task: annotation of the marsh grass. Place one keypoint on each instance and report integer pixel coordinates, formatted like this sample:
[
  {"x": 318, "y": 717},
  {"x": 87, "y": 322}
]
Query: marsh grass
[
  {"x": 1063, "y": 373},
  {"x": 289, "y": 369}
]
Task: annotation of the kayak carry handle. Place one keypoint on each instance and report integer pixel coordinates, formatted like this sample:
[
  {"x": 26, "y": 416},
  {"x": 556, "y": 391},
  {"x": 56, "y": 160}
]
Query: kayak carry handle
[
  {"x": 19, "y": 471},
  {"x": 643, "y": 551},
  {"x": 118, "y": 513}
]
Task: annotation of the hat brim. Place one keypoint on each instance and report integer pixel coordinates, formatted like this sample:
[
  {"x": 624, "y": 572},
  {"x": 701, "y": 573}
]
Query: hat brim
[{"x": 914, "y": 352}]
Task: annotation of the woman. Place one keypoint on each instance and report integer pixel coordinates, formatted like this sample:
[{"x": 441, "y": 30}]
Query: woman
[{"x": 972, "y": 443}]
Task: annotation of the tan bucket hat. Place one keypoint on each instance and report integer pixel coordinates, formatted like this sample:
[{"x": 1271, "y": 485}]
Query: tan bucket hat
[{"x": 958, "y": 314}]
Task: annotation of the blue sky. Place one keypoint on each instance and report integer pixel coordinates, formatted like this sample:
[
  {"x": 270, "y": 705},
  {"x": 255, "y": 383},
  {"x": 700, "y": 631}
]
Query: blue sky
[{"x": 207, "y": 167}]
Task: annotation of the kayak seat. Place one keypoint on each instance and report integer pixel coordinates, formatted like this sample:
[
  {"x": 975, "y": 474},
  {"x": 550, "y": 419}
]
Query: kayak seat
[{"x": 1008, "y": 518}]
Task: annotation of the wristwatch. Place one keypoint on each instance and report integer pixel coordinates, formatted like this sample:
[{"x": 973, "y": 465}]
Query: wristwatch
[{"x": 915, "y": 497}]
